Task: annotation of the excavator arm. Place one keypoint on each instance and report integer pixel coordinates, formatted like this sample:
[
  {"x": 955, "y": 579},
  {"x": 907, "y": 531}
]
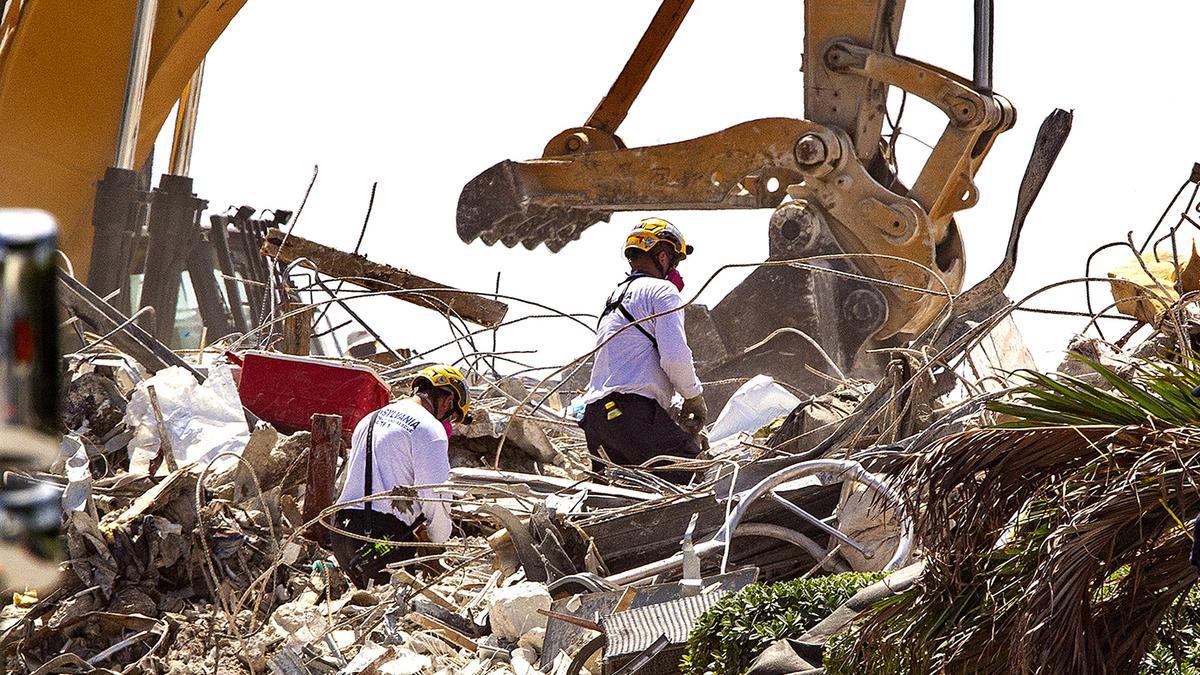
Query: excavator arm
[
  {"x": 829, "y": 177},
  {"x": 63, "y": 71}
]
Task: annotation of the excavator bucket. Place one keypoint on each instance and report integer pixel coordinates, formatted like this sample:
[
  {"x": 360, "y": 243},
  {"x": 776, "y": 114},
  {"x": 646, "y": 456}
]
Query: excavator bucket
[
  {"x": 804, "y": 324},
  {"x": 499, "y": 205}
]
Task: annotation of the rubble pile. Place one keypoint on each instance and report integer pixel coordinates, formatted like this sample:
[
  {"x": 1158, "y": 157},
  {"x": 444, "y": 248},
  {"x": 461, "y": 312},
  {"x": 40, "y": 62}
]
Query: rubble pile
[
  {"x": 187, "y": 549},
  {"x": 196, "y": 515},
  {"x": 196, "y": 491}
]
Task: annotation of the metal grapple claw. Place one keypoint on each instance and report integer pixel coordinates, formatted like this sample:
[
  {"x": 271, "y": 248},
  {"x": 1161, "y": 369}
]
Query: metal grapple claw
[{"x": 500, "y": 205}]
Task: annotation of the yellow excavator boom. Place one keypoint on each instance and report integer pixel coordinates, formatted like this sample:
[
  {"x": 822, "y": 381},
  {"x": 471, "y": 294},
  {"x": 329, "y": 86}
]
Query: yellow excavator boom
[{"x": 63, "y": 70}]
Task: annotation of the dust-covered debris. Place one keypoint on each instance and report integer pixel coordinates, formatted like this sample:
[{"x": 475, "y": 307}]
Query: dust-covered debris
[{"x": 186, "y": 548}]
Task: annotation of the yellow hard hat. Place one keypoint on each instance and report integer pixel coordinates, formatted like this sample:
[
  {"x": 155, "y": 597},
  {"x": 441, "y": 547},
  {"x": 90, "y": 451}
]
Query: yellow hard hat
[
  {"x": 648, "y": 233},
  {"x": 449, "y": 378}
]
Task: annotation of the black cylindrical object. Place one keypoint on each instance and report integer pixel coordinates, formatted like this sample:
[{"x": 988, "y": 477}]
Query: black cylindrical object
[
  {"x": 28, "y": 321},
  {"x": 984, "y": 20}
]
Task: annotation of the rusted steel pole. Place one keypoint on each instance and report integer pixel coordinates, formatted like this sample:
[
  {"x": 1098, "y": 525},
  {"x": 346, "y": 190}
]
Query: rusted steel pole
[
  {"x": 615, "y": 105},
  {"x": 373, "y": 276},
  {"x": 322, "y": 463}
]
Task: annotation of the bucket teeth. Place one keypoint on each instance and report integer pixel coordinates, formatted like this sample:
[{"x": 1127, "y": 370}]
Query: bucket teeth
[
  {"x": 486, "y": 202},
  {"x": 494, "y": 207}
]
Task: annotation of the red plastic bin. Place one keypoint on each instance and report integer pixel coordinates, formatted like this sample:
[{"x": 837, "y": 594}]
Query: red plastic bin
[{"x": 288, "y": 390}]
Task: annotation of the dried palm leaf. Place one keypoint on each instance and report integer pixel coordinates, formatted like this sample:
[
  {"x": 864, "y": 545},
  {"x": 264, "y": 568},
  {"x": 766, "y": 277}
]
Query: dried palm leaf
[{"x": 1055, "y": 543}]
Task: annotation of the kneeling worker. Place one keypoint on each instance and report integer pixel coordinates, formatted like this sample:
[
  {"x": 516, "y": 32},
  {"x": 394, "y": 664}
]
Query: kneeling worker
[
  {"x": 405, "y": 443},
  {"x": 637, "y": 372}
]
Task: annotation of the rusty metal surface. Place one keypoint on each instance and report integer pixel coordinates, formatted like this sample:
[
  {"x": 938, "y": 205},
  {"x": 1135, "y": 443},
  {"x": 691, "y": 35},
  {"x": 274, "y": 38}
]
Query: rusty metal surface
[
  {"x": 380, "y": 277},
  {"x": 322, "y": 465},
  {"x": 552, "y": 200},
  {"x": 839, "y": 313}
]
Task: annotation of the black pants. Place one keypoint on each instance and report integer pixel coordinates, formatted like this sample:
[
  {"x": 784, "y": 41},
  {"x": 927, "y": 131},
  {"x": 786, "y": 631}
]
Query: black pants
[
  {"x": 632, "y": 429},
  {"x": 364, "y": 561}
]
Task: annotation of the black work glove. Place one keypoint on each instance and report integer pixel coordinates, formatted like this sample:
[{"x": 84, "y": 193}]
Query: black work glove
[{"x": 693, "y": 414}]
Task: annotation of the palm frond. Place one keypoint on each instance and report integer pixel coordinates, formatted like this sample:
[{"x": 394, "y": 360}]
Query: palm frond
[
  {"x": 1026, "y": 523},
  {"x": 1150, "y": 393}
]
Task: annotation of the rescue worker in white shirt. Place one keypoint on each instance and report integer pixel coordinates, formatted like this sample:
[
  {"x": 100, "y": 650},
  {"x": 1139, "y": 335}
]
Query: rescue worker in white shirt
[
  {"x": 405, "y": 443},
  {"x": 637, "y": 372}
]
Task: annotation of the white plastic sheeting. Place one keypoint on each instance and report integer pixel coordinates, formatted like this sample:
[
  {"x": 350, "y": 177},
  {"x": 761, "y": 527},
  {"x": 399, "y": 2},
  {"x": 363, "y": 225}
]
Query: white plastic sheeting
[
  {"x": 201, "y": 420},
  {"x": 753, "y": 406},
  {"x": 78, "y": 494}
]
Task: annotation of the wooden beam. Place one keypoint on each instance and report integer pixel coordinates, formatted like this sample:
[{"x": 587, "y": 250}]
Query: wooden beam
[
  {"x": 443, "y": 631},
  {"x": 403, "y": 576},
  {"x": 322, "y": 464},
  {"x": 297, "y": 329},
  {"x": 357, "y": 270}
]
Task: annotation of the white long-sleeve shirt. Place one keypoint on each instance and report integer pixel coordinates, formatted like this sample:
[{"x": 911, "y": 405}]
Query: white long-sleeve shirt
[
  {"x": 411, "y": 448},
  {"x": 630, "y": 364}
]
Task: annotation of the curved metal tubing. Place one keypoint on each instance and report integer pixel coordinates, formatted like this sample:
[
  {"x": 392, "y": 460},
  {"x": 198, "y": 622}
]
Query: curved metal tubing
[{"x": 844, "y": 469}]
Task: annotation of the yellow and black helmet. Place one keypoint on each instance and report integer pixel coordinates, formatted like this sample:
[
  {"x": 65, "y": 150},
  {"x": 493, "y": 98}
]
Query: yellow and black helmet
[
  {"x": 450, "y": 379},
  {"x": 651, "y": 231}
]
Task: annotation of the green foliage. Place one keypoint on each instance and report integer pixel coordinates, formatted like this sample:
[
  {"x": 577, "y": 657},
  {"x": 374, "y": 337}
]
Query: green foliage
[
  {"x": 839, "y": 654},
  {"x": 1152, "y": 392},
  {"x": 741, "y": 625},
  {"x": 1176, "y": 647}
]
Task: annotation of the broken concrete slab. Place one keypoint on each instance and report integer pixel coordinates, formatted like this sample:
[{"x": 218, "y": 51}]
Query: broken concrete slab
[
  {"x": 513, "y": 610},
  {"x": 1145, "y": 286}
]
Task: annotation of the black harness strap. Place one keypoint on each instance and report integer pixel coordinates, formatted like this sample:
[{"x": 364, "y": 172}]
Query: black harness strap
[
  {"x": 618, "y": 304},
  {"x": 369, "y": 469}
]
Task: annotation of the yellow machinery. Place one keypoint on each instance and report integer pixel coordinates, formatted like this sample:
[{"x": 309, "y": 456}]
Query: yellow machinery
[
  {"x": 830, "y": 177},
  {"x": 836, "y": 166},
  {"x": 64, "y": 74}
]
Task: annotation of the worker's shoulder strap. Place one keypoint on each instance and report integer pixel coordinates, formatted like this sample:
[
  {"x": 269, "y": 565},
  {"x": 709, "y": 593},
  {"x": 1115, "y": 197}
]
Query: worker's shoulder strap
[
  {"x": 369, "y": 465},
  {"x": 616, "y": 302}
]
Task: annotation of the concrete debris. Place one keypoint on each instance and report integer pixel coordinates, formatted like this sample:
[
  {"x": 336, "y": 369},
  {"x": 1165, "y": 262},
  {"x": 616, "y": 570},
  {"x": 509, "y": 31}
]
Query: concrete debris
[
  {"x": 1096, "y": 351},
  {"x": 513, "y": 611},
  {"x": 813, "y": 420},
  {"x": 990, "y": 364},
  {"x": 872, "y": 524},
  {"x": 196, "y": 508},
  {"x": 299, "y": 621},
  {"x": 93, "y": 405},
  {"x": 179, "y": 510},
  {"x": 533, "y": 639}
]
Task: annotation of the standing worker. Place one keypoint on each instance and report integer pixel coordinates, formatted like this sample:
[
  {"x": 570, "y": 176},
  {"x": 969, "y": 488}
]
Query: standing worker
[
  {"x": 403, "y": 444},
  {"x": 638, "y": 371}
]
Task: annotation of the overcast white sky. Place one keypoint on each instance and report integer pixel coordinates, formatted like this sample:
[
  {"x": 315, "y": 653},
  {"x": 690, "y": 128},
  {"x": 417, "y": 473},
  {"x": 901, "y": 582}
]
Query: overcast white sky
[{"x": 423, "y": 96}]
